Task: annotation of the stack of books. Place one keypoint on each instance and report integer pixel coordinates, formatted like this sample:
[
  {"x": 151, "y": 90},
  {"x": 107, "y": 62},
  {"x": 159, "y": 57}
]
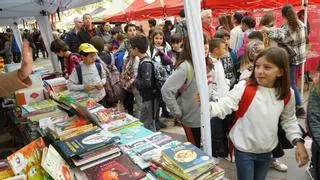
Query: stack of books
[
  {"x": 186, "y": 161},
  {"x": 40, "y": 107}
]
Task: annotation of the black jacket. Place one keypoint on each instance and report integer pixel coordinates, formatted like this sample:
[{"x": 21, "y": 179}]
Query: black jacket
[
  {"x": 313, "y": 115},
  {"x": 145, "y": 79},
  {"x": 83, "y": 36}
]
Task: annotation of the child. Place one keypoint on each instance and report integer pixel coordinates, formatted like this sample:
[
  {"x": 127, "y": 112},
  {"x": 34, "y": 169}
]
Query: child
[
  {"x": 93, "y": 79},
  {"x": 144, "y": 81},
  {"x": 254, "y": 135},
  {"x": 179, "y": 102},
  {"x": 176, "y": 42},
  {"x": 253, "y": 49},
  {"x": 228, "y": 58},
  {"x": 255, "y": 35},
  {"x": 313, "y": 117},
  {"x": 71, "y": 60},
  {"x": 103, "y": 55}
]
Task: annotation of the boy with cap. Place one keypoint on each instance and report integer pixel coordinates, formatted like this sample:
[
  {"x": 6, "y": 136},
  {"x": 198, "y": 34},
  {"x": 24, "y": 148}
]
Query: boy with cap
[{"x": 88, "y": 76}]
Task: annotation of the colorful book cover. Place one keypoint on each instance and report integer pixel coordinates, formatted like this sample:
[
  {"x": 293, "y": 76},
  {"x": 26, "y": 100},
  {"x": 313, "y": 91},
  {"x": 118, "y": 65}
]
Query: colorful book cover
[
  {"x": 85, "y": 142},
  {"x": 35, "y": 106},
  {"x": 69, "y": 97},
  {"x": 119, "y": 124},
  {"x": 89, "y": 103},
  {"x": 5, "y": 169},
  {"x": 187, "y": 157},
  {"x": 96, "y": 154},
  {"x": 159, "y": 139},
  {"x": 110, "y": 115},
  {"x": 68, "y": 124},
  {"x": 27, "y": 160},
  {"x": 131, "y": 134},
  {"x": 120, "y": 168},
  {"x": 78, "y": 131},
  {"x": 55, "y": 166},
  {"x": 54, "y": 116}
]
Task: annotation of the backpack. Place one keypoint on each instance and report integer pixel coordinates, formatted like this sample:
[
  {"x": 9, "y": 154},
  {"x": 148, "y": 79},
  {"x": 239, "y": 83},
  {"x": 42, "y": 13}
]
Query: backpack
[
  {"x": 113, "y": 86},
  {"x": 118, "y": 59},
  {"x": 73, "y": 61},
  {"x": 79, "y": 72}
]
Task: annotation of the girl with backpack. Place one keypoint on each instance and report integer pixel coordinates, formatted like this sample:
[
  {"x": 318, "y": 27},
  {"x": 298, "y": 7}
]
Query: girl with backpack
[{"x": 260, "y": 103}]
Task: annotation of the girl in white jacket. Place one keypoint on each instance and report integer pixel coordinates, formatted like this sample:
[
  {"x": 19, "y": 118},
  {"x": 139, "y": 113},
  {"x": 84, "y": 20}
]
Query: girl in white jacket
[{"x": 254, "y": 135}]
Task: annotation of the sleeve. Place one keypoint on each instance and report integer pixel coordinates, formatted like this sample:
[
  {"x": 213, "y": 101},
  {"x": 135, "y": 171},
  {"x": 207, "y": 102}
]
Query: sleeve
[
  {"x": 10, "y": 82},
  {"x": 213, "y": 88},
  {"x": 233, "y": 39},
  {"x": 67, "y": 39},
  {"x": 171, "y": 87},
  {"x": 288, "y": 120},
  {"x": 313, "y": 116},
  {"x": 135, "y": 65},
  {"x": 73, "y": 80},
  {"x": 165, "y": 59},
  {"x": 229, "y": 103},
  {"x": 146, "y": 78}
]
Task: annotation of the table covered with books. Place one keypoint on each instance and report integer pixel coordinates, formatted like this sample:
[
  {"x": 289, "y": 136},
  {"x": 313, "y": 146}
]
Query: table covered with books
[{"x": 70, "y": 136}]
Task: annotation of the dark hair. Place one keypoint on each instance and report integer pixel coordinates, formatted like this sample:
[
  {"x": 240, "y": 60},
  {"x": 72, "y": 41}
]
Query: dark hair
[
  {"x": 279, "y": 57},
  {"x": 152, "y": 22},
  {"x": 215, "y": 43},
  {"x": 223, "y": 21},
  {"x": 238, "y": 17},
  {"x": 256, "y": 35},
  {"x": 176, "y": 38},
  {"x": 167, "y": 23},
  {"x": 251, "y": 22},
  {"x": 120, "y": 37},
  {"x": 84, "y": 53},
  {"x": 182, "y": 14},
  {"x": 300, "y": 14},
  {"x": 221, "y": 33},
  {"x": 154, "y": 33},
  {"x": 127, "y": 27},
  {"x": 267, "y": 19},
  {"x": 114, "y": 31},
  {"x": 58, "y": 45},
  {"x": 186, "y": 54},
  {"x": 8, "y": 30},
  {"x": 98, "y": 43},
  {"x": 140, "y": 42},
  {"x": 291, "y": 17}
]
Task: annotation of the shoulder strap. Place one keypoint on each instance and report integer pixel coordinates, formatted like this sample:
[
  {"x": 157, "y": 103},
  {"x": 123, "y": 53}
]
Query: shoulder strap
[
  {"x": 244, "y": 103},
  {"x": 287, "y": 99},
  {"x": 190, "y": 74},
  {"x": 79, "y": 73},
  {"x": 98, "y": 65}
]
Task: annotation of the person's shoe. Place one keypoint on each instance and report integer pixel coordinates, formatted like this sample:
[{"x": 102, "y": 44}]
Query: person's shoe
[
  {"x": 279, "y": 166},
  {"x": 300, "y": 112},
  {"x": 311, "y": 172}
]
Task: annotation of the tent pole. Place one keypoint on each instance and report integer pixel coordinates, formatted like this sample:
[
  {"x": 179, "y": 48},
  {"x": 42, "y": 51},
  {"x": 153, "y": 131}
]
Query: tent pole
[
  {"x": 193, "y": 17},
  {"x": 305, "y": 5}
]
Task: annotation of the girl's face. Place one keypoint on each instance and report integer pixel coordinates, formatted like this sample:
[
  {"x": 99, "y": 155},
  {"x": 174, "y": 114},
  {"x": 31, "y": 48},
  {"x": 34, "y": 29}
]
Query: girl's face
[
  {"x": 266, "y": 73},
  {"x": 158, "y": 40},
  {"x": 206, "y": 50},
  {"x": 177, "y": 46}
]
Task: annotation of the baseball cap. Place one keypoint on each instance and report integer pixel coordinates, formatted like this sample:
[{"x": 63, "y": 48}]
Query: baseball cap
[{"x": 87, "y": 48}]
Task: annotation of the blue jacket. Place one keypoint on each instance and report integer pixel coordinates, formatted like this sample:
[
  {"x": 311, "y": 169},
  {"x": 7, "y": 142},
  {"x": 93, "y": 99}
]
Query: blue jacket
[
  {"x": 14, "y": 46},
  {"x": 71, "y": 40}
]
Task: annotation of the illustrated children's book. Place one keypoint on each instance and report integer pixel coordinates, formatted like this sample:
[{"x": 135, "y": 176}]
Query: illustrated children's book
[
  {"x": 5, "y": 169},
  {"x": 27, "y": 160}
]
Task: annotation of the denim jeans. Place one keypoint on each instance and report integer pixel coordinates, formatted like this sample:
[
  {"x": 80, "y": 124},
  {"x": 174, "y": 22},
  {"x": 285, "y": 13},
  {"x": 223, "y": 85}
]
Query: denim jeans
[
  {"x": 294, "y": 85},
  {"x": 251, "y": 166}
]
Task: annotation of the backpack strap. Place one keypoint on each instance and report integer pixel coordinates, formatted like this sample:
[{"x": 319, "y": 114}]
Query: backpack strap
[
  {"x": 287, "y": 99},
  {"x": 79, "y": 73},
  {"x": 98, "y": 65}
]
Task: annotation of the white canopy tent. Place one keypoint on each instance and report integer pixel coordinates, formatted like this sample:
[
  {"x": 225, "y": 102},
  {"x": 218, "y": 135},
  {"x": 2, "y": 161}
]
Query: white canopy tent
[{"x": 12, "y": 10}]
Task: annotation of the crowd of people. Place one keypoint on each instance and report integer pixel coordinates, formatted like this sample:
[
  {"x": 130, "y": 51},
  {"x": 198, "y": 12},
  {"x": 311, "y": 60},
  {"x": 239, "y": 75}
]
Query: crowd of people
[{"x": 251, "y": 75}]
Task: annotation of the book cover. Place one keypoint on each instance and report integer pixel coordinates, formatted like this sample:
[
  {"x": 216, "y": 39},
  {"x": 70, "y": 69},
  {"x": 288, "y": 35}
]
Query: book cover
[
  {"x": 85, "y": 142},
  {"x": 159, "y": 139},
  {"x": 55, "y": 166},
  {"x": 56, "y": 85},
  {"x": 99, "y": 161},
  {"x": 96, "y": 154},
  {"x": 5, "y": 169},
  {"x": 77, "y": 131},
  {"x": 54, "y": 115},
  {"x": 89, "y": 103},
  {"x": 120, "y": 168},
  {"x": 41, "y": 105},
  {"x": 131, "y": 134},
  {"x": 187, "y": 157},
  {"x": 109, "y": 115},
  {"x": 27, "y": 160},
  {"x": 68, "y": 124}
]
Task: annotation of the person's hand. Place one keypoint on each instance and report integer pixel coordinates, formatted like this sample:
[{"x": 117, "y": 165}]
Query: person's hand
[
  {"x": 197, "y": 98},
  {"x": 26, "y": 64},
  {"x": 99, "y": 86},
  {"x": 301, "y": 154},
  {"x": 88, "y": 87}
]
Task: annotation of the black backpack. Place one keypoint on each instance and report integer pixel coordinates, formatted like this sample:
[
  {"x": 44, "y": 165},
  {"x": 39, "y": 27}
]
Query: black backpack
[{"x": 79, "y": 71}]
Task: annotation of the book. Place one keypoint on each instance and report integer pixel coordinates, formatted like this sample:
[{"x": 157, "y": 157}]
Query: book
[
  {"x": 17, "y": 177},
  {"x": 5, "y": 169},
  {"x": 187, "y": 157},
  {"x": 89, "y": 103},
  {"x": 86, "y": 142},
  {"x": 56, "y": 85},
  {"x": 54, "y": 164},
  {"x": 109, "y": 115},
  {"x": 96, "y": 154},
  {"x": 27, "y": 160},
  {"x": 69, "y": 97},
  {"x": 68, "y": 124},
  {"x": 159, "y": 139},
  {"x": 99, "y": 161},
  {"x": 54, "y": 115},
  {"x": 34, "y": 108},
  {"x": 77, "y": 131},
  {"x": 117, "y": 168},
  {"x": 131, "y": 134}
]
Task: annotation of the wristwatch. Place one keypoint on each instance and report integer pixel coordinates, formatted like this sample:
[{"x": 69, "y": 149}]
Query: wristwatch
[{"x": 296, "y": 140}]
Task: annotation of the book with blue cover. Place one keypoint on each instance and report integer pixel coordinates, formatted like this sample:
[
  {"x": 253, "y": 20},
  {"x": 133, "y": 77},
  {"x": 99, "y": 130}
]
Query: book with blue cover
[
  {"x": 159, "y": 139},
  {"x": 128, "y": 135},
  {"x": 83, "y": 143},
  {"x": 187, "y": 157}
]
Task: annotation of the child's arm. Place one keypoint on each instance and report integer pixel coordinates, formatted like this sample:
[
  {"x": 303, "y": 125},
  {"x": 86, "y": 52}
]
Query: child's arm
[
  {"x": 229, "y": 103},
  {"x": 73, "y": 82},
  {"x": 146, "y": 79},
  {"x": 165, "y": 59},
  {"x": 289, "y": 121},
  {"x": 171, "y": 87}
]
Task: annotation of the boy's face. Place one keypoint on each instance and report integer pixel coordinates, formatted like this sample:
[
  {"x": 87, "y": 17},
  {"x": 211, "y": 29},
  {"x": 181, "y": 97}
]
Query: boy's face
[
  {"x": 244, "y": 27},
  {"x": 89, "y": 59},
  {"x": 134, "y": 51},
  {"x": 227, "y": 40},
  {"x": 176, "y": 46},
  {"x": 131, "y": 31},
  {"x": 218, "y": 52}
]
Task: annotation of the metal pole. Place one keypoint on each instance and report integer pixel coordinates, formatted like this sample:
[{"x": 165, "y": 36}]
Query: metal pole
[{"x": 305, "y": 5}]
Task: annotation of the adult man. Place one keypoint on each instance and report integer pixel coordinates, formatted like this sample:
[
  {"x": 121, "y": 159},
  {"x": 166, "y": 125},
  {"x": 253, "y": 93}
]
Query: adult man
[
  {"x": 87, "y": 31},
  {"x": 206, "y": 18},
  {"x": 71, "y": 38}
]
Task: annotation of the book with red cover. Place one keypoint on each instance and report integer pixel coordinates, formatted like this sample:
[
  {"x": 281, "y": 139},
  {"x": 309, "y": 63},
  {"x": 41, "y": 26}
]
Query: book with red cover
[{"x": 121, "y": 168}]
